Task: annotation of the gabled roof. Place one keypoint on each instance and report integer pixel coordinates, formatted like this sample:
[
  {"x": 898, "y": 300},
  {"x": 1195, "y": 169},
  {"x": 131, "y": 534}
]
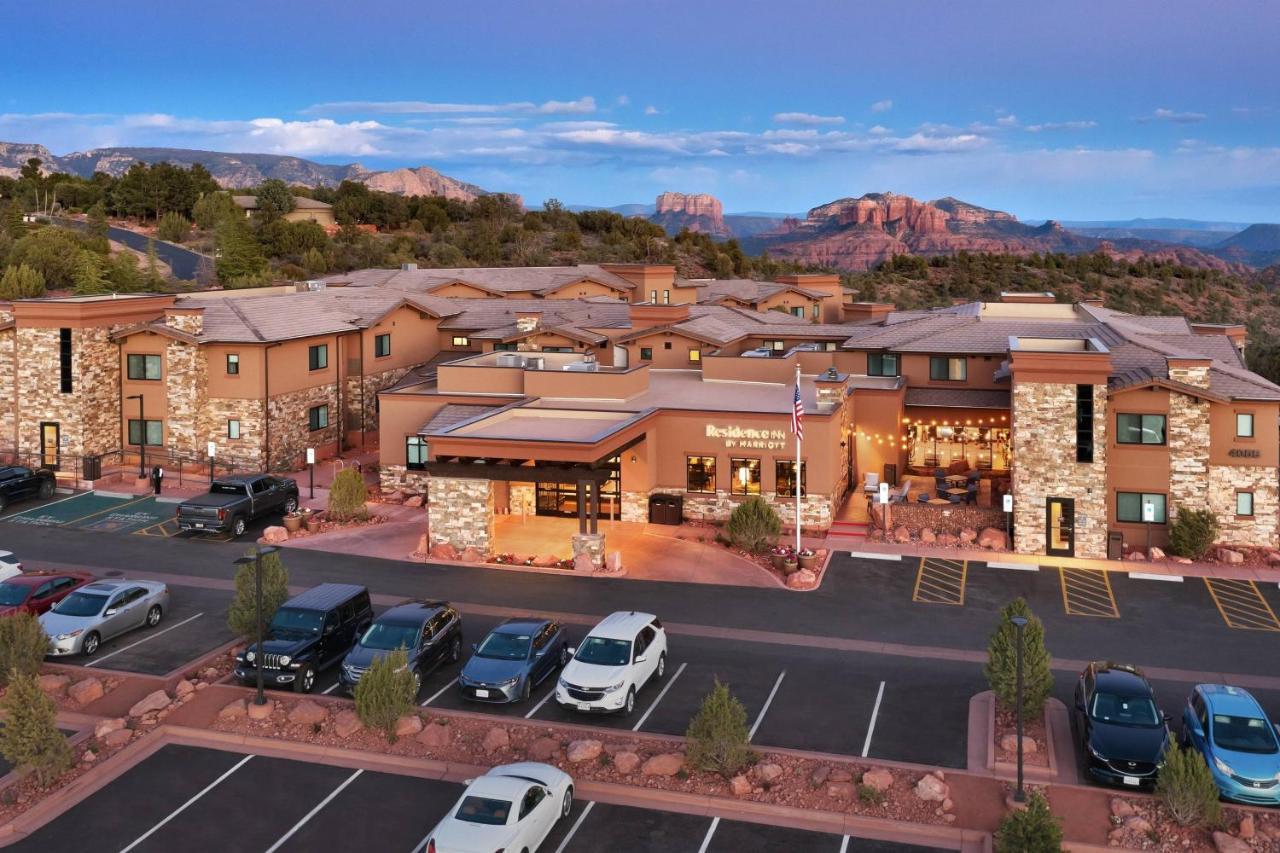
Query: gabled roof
[{"x": 157, "y": 327}]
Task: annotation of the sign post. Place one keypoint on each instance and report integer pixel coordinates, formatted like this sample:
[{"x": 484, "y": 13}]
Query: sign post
[
  {"x": 213, "y": 451},
  {"x": 311, "y": 468},
  {"x": 884, "y": 502},
  {"x": 1148, "y": 517},
  {"x": 1008, "y": 511}
]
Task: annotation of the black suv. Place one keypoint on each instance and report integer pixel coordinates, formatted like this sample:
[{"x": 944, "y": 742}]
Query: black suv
[
  {"x": 19, "y": 483},
  {"x": 310, "y": 632},
  {"x": 430, "y": 632},
  {"x": 1120, "y": 729}
]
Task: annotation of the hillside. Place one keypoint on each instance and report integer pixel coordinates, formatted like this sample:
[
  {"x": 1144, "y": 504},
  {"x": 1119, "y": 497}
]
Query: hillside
[{"x": 1257, "y": 245}]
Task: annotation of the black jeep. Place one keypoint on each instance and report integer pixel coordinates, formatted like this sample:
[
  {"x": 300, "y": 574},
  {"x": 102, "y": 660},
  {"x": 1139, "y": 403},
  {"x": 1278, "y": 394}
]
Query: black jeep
[{"x": 310, "y": 632}]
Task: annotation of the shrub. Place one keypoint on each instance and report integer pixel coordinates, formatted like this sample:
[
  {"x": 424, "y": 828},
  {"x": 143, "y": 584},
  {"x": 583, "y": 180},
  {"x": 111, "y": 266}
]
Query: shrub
[
  {"x": 347, "y": 496},
  {"x": 1192, "y": 532},
  {"x": 753, "y": 525},
  {"x": 870, "y": 796},
  {"x": 385, "y": 693},
  {"x": 1001, "y": 669},
  {"x": 275, "y": 591},
  {"x": 1034, "y": 829},
  {"x": 718, "y": 737},
  {"x": 173, "y": 227},
  {"x": 21, "y": 282},
  {"x": 1186, "y": 786},
  {"x": 23, "y": 644},
  {"x": 30, "y": 739}
]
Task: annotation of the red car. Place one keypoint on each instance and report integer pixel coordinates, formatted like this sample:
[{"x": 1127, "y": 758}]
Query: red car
[{"x": 36, "y": 592}]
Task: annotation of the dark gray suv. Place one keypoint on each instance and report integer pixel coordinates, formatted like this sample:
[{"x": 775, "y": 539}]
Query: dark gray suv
[{"x": 430, "y": 632}]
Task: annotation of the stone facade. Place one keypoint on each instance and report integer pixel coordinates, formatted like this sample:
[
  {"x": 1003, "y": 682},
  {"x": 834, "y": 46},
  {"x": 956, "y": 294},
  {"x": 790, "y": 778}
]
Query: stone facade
[
  {"x": 1188, "y": 442},
  {"x": 522, "y": 498},
  {"x": 635, "y": 506},
  {"x": 1259, "y": 529},
  {"x": 187, "y": 390},
  {"x": 399, "y": 478},
  {"x": 372, "y": 384},
  {"x": 460, "y": 513},
  {"x": 89, "y": 416},
  {"x": 8, "y": 389},
  {"x": 290, "y": 429},
  {"x": 245, "y": 453},
  {"x": 816, "y": 511},
  {"x": 591, "y": 544},
  {"x": 1043, "y": 441},
  {"x": 1197, "y": 376}
]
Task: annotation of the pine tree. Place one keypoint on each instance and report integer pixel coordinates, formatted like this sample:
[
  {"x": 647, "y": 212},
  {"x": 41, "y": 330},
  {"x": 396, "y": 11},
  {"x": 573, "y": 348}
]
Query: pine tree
[
  {"x": 1034, "y": 829},
  {"x": 275, "y": 592},
  {"x": 21, "y": 282},
  {"x": 313, "y": 261},
  {"x": 1186, "y": 786},
  {"x": 88, "y": 277},
  {"x": 152, "y": 279},
  {"x": 97, "y": 223},
  {"x": 1001, "y": 668},
  {"x": 122, "y": 273},
  {"x": 753, "y": 525},
  {"x": 23, "y": 645},
  {"x": 30, "y": 739},
  {"x": 13, "y": 220},
  {"x": 386, "y": 692},
  {"x": 173, "y": 227},
  {"x": 240, "y": 260},
  {"x": 718, "y": 739}
]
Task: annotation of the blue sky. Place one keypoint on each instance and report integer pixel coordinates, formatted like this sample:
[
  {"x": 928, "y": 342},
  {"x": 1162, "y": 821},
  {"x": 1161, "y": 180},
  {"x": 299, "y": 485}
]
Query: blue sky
[{"x": 1084, "y": 110}]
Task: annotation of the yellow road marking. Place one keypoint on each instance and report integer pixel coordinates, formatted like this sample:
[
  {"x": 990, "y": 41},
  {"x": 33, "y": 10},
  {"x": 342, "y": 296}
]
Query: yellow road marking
[
  {"x": 941, "y": 581},
  {"x": 1241, "y": 605},
  {"x": 1087, "y": 592},
  {"x": 107, "y": 510}
]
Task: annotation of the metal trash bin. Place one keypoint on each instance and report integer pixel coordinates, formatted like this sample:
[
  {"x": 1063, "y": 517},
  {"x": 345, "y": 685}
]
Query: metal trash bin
[
  {"x": 1115, "y": 545},
  {"x": 666, "y": 509},
  {"x": 92, "y": 468}
]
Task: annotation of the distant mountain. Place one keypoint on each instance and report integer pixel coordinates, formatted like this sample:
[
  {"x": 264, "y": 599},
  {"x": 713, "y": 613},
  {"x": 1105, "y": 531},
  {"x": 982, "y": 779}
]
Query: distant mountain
[
  {"x": 698, "y": 212},
  {"x": 1200, "y": 238},
  {"x": 239, "y": 170},
  {"x": 1258, "y": 245},
  {"x": 1159, "y": 223}
]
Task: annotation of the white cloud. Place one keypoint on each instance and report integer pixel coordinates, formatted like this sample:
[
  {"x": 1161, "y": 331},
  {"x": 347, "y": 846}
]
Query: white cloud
[
  {"x": 882, "y": 106},
  {"x": 879, "y": 130},
  {"x": 1166, "y": 114},
  {"x": 806, "y": 118},
  {"x": 1007, "y": 121},
  {"x": 651, "y": 110},
  {"x": 581, "y": 105},
  {"x": 1048, "y": 126},
  {"x": 622, "y": 100}
]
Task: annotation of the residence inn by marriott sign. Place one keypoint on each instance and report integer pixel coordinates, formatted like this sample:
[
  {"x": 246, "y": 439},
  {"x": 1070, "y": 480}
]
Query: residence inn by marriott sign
[{"x": 752, "y": 439}]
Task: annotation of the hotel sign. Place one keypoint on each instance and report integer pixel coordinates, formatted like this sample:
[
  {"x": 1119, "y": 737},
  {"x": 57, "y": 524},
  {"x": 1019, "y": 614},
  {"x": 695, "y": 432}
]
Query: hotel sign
[
  {"x": 1244, "y": 453},
  {"x": 747, "y": 438}
]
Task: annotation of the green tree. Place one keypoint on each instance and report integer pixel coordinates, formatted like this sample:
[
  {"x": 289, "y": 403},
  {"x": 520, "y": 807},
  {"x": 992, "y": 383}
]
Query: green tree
[
  {"x": 314, "y": 262},
  {"x": 275, "y": 199},
  {"x": 122, "y": 273},
  {"x": 152, "y": 279},
  {"x": 212, "y": 208},
  {"x": 753, "y": 525},
  {"x": 1034, "y": 829},
  {"x": 89, "y": 277},
  {"x": 347, "y": 496},
  {"x": 21, "y": 282},
  {"x": 275, "y": 592},
  {"x": 23, "y": 645},
  {"x": 97, "y": 222},
  {"x": 240, "y": 261},
  {"x": 13, "y": 220},
  {"x": 718, "y": 738},
  {"x": 173, "y": 227},
  {"x": 386, "y": 692},
  {"x": 52, "y": 251},
  {"x": 1192, "y": 532},
  {"x": 1001, "y": 668},
  {"x": 1186, "y": 786},
  {"x": 30, "y": 739}
]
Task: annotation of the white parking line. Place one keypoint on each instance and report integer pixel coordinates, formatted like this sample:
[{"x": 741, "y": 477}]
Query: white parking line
[
  {"x": 874, "y": 555},
  {"x": 1143, "y": 576},
  {"x": 538, "y": 707},
  {"x": 573, "y": 829},
  {"x": 180, "y": 809},
  {"x": 711, "y": 830},
  {"x": 871, "y": 729},
  {"x": 1017, "y": 567},
  {"x": 844, "y": 845},
  {"x": 330, "y": 688},
  {"x": 46, "y": 506},
  {"x": 767, "y": 703},
  {"x": 434, "y": 696},
  {"x": 145, "y": 639},
  {"x": 654, "y": 704},
  {"x": 336, "y": 791}
]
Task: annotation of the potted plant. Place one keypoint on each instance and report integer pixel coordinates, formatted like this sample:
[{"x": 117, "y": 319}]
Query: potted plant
[
  {"x": 313, "y": 522},
  {"x": 293, "y": 521},
  {"x": 779, "y": 555},
  {"x": 807, "y": 558}
]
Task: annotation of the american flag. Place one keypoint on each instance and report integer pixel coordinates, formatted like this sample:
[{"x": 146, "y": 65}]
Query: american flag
[{"x": 797, "y": 415}]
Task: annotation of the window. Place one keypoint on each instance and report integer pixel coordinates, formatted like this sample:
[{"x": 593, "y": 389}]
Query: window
[
  {"x": 646, "y": 353},
  {"x": 816, "y": 309},
  {"x": 64, "y": 360},
  {"x": 653, "y": 296},
  {"x": 666, "y": 344},
  {"x": 1140, "y": 429},
  {"x": 947, "y": 369},
  {"x": 775, "y": 346},
  {"x": 1244, "y": 425},
  {"x": 501, "y": 347},
  {"x": 318, "y": 357},
  {"x": 785, "y": 472},
  {"x": 1129, "y": 506},
  {"x": 829, "y": 346},
  {"x": 695, "y": 355},
  {"x": 558, "y": 349},
  {"x": 1084, "y": 423},
  {"x": 233, "y": 428},
  {"x": 700, "y": 474},
  {"x": 233, "y": 364},
  {"x": 666, "y": 297},
  {"x": 461, "y": 341},
  {"x": 1244, "y": 503},
  {"x": 797, "y": 311},
  {"x": 143, "y": 366},
  {"x": 882, "y": 364},
  {"x": 745, "y": 476},
  {"x": 415, "y": 453},
  {"x": 318, "y": 417},
  {"x": 154, "y": 432},
  {"x": 382, "y": 345},
  {"x": 531, "y": 800}
]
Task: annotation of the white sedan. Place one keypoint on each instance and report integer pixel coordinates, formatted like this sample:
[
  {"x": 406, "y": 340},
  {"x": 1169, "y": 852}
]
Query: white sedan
[
  {"x": 10, "y": 566},
  {"x": 511, "y": 808}
]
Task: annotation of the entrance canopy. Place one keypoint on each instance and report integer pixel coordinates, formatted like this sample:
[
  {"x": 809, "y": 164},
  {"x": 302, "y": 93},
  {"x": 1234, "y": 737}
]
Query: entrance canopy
[{"x": 542, "y": 434}]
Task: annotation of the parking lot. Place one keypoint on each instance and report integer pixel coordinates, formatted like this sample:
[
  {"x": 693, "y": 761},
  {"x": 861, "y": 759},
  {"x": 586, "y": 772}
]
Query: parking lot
[
  {"x": 191, "y": 798},
  {"x": 140, "y": 515}
]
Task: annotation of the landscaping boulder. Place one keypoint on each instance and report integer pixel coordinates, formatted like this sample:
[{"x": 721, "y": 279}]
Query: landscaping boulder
[
  {"x": 183, "y": 688},
  {"x": 86, "y": 690},
  {"x": 395, "y": 497},
  {"x": 275, "y": 535},
  {"x": 495, "y": 739},
  {"x": 818, "y": 777},
  {"x": 993, "y": 539},
  {"x": 739, "y": 786},
  {"x": 444, "y": 551},
  {"x": 1246, "y": 829},
  {"x": 901, "y": 534},
  {"x": 1121, "y": 808},
  {"x": 261, "y": 712},
  {"x": 932, "y": 789},
  {"x": 471, "y": 554},
  {"x": 582, "y": 564},
  {"x": 840, "y": 790},
  {"x": 413, "y": 501},
  {"x": 626, "y": 762},
  {"x": 666, "y": 764},
  {"x": 546, "y": 561},
  {"x": 152, "y": 702},
  {"x": 1009, "y": 743},
  {"x": 1273, "y": 558},
  {"x": 1233, "y": 558},
  {"x": 878, "y": 779},
  {"x": 543, "y": 749},
  {"x": 1155, "y": 553},
  {"x": 767, "y": 772},
  {"x": 968, "y": 535},
  {"x": 346, "y": 723},
  {"x": 928, "y": 536},
  {"x": 1137, "y": 824},
  {"x": 584, "y": 750},
  {"x": 234, "y": 710},
  {"x": 436, "y": 735},
  {"x": 308, "y": 713},
  {"x": 1225, "y": 843},
  {"x": 1135, "y": 557},
  {"x": 106, "y": 727},
  {"x": 54, "y": 684},
  {"x": 408, "y": 725},
  {"x": 949, "y": 540},
  {"x": 118, "y": 738},
  {"x": 803, "y": 579},
  {"x": 839, "y": 774}
]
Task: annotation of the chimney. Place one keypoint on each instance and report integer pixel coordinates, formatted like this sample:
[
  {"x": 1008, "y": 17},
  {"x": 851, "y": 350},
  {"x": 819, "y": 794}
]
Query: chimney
[
  {"x": 647, "y": 315},
  {"x": 857, "y": 312}
]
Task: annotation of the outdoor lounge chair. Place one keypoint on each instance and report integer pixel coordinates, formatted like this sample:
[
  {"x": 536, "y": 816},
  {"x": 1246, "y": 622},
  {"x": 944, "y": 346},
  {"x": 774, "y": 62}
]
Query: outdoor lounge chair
[{"x": 872, "y": 483}]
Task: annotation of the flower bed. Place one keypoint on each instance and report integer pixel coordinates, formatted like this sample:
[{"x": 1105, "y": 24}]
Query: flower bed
[
  {"x": 1145, "y": 824},
  {"x": 1035, "y": 743}
]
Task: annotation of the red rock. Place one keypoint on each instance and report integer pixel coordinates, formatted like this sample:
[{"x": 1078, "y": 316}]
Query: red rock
[
  {"x": 739, "y": 786},
  {"x": 584, "y": 750},
  {"x": 819, "y": 776},
  {"x": 840, "y": 790},
  {"x": 444, "y": 551},
  {"x": 950, "y": 540},
  {"x": 696, "y": 212},
  {"x": 394, "y": 498},
  {"x": 261, "y": 712},
  {"x": 86, "y": 690},
  {"x": 233, "y": 710},
  {"x": 107, "y": 726},
  {"x": 183, "y": 688},
  {"x": 1155, "y": 553},
  {"x": 928, "y": 536},
  {"x": 901, "y": 535},
  {"x": 118, "y": 738},
  {"x": 308, "y": 713},
  {"x": 1121, "y": 808},
  {"x": 968, "y": 535},
  {"x": 1230, "y": 557},
  {"x": 582, "y": 564},
  {"x": 543, "y": 749},
  {"x": 767, "y": 772},
  {"x": 1135, "y": 557},
  {"x": 993, "y": 539},
  {"x": 495, "y": 739},
  {"x": 666, "y": 764},
  {"x": 1137, "y": 824},
  {"x": 1246, "y": 829},
  {"x": 626, "y": 762},
  {"x": 54, "y": 684},
  {"x": 1009, "y": 743},
  {"x": 1224, "y": 843},
  {"x": 89, "y": 756},
  {"x": 878, "y": 778},
  {"x": 346, "y": 723},
  {"x": 546, "y": 561},
  {"x": 931, "y": 789},
  {"x": 408, "y": 725},
  {"x": 472, "y": 555},
  {"x": 435, "y": 735},
  {"x": 153, "y": 701},
  {"x": 803, "y": 579},
  {"x": 413, "y": 501},
  {"x": 839, "y": 774},
  {"x": 275, "y": 535}
]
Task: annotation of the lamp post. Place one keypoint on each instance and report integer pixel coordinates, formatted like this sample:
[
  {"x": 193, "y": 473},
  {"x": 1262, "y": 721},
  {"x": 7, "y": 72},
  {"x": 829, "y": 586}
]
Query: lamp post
[
  {"x": 256, "y": 559},
  {"x": 213, "y": 451},
  {"x": 1020, "y": 622},
  {"x": 311, "y": 470},
  {"x": 142, "y": 438}
]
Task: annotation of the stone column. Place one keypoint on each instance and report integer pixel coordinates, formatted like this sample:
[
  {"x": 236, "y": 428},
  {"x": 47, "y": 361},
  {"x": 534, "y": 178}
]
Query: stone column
[
  {"x": 591, "y": 546},
  {"x": 460, "y": 513}
]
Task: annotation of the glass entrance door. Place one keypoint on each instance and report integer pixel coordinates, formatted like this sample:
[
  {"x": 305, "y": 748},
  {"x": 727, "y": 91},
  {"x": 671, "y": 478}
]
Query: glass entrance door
[
  {"x": 1060, "y": 515},
  {"x": 50, "y": 445},
  {"x": 561, "y": 499}
]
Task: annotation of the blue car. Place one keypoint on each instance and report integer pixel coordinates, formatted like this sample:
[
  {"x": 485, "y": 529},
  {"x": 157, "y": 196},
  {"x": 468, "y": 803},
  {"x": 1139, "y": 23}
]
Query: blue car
[
  {"x": 1229, "y": 728},
  {"x": 512, "y": 659}
]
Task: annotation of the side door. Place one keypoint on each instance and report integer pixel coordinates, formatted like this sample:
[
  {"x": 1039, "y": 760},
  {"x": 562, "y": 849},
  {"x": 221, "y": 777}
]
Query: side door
[
  {"x": 61, "y": 588},
  {"x": 643, "y": 642},
  {"x": 537, "y": 816},
  {"x": 41, "y": 598},
  {"x": 1083, "y": 696},
  {"x": 115, "y": 618},
  {"x": 24, "y": 483},
  {"x": 259, "y": 496},
  {"x": 328, "y": 647},
  {"x": 136, "y": 607},
  {"x": 1200, "y": 721},
  {"x": 541, "y": 653}
]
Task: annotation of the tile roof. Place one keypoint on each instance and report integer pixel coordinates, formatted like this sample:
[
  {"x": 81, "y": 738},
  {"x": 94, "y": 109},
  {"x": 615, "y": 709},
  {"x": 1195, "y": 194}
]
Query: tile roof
[
  {"x": 744, "y": 289},
  {"x": 958, "y": 398},
  {"x": 453, "y": 414},
  {"x": 493, "y": 279}
]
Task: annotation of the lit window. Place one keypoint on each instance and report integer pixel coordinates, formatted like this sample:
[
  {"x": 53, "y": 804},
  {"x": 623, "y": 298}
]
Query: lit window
[
  {"x": 700, "y": 474},
  {"x": 1244, "y": 425},
  {"x": 666, "y": 297},
  {"x": 233, "y": 364},
  {"x": 144, "y": 366},
  {"x": 1244, "y": 503},
  {"x": 746, "y": 476},
  {"x": 415, "y": 453},
  {"x": 318, "y": 357},
  {"x": 785, "y": 472},
  {"x": 1129, "y": 506},
  {"x": 317, "y": 417},
  {"x": 695, "y": 355},
  {"x": 947, "y": 369},
  {"x": 1140, "y": 429},
  {"x": 233, "y": 428},
  {"x": 461, "y": 341},
  {"x": 382, "y": 345},
  {"x": 816, "y": 309}
]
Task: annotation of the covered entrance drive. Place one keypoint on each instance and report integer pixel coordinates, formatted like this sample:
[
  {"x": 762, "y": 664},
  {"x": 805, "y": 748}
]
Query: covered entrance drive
[{"x": 561, "y": 499}]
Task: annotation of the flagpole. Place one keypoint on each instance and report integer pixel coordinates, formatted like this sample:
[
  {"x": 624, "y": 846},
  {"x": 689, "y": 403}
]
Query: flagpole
[{"x": 799, "y": 480}]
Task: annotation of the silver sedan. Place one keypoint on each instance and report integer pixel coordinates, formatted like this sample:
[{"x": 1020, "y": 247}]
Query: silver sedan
[{"x": 101, "y": 610}]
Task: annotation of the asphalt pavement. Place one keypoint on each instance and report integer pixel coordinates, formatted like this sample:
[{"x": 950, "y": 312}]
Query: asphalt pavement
[{"x": 184, "y": 263}]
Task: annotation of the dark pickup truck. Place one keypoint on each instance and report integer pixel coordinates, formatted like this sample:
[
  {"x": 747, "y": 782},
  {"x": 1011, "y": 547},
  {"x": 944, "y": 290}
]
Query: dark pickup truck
[{"x": 233, "y": 502}]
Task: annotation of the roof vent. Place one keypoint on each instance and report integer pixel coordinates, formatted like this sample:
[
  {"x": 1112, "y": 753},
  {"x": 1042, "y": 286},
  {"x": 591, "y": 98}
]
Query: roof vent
[
  {"x": 407, "y": 267},
  {"x": 315, "y": 284},
  {"x": 535, "y": 362},
  {"x": 510, "y": 359}
]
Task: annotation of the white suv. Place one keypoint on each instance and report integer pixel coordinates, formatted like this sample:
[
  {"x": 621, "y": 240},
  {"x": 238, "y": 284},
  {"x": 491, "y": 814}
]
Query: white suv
[{"x": 617, "y": 658}]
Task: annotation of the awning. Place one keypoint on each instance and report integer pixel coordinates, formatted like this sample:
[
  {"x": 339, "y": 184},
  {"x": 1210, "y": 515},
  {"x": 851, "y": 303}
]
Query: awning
[{"x": 958, "y": 398}]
